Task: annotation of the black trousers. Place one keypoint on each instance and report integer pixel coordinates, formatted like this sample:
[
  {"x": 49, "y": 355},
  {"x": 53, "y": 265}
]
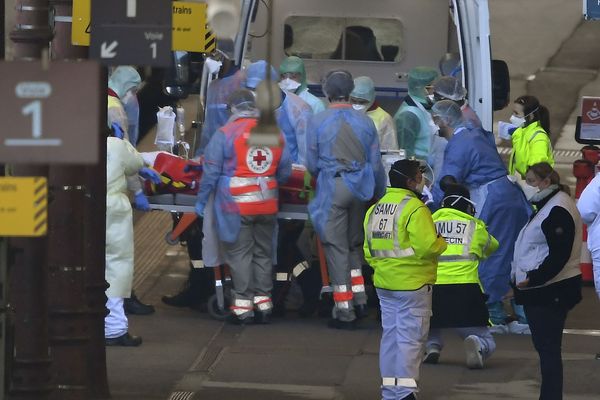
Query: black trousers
[{"x": 547, "y": 324}]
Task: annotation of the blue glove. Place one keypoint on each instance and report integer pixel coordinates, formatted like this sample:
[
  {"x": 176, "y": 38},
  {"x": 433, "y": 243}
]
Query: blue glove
[
  {"x": 200, "y": 209},
  {"x": 117, "y": 130},
  {"x": 150, "y": 174},
  {"x": 191, "y": 167},
  {"x": 141, "y": 201}
]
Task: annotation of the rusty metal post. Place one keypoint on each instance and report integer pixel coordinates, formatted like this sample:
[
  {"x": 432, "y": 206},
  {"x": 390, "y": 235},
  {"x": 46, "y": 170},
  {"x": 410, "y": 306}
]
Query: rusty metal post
[
  {"x": 77, "y": 314},
  {"x": 30, "y": 370}
]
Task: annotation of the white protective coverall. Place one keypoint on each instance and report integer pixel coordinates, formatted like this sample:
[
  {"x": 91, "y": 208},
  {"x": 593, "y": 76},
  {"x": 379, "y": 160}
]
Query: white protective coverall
[
  {"x": 122, "y": 161},
  {"x": 589, "y": 208}
]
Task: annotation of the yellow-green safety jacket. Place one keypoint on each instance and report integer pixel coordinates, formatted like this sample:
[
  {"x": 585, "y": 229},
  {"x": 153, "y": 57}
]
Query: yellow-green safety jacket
[
  {"x": 401, "y": 243},
  {"x": 468, "y": 242},
  {"x": 531, "y": 145}
]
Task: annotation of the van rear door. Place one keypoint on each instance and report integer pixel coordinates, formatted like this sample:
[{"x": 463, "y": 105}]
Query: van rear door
[{"x": 472, "y": 22}]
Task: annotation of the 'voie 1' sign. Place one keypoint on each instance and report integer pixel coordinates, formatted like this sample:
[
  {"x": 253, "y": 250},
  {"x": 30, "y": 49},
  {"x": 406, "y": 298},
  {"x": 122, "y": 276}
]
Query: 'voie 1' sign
[
  {"x": 136, "y": 32},
  {"x": 50, "y": 116}
]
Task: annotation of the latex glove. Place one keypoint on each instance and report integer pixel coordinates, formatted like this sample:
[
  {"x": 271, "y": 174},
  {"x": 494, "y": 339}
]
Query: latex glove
[
  {"x": 117, "y": 130},
  {"x": 150, "y": 174},
  {"x": 427, "y": 196},
  {"x": 141, "y": 201},
  {"x": 192, "y": 167},
  {"x": 505, "y": 130},
  {"x": 200, "y": 209}
]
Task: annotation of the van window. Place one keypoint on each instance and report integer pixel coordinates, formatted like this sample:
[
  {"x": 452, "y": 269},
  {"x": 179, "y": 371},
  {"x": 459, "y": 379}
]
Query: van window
[{"x": 330, "y": 38}]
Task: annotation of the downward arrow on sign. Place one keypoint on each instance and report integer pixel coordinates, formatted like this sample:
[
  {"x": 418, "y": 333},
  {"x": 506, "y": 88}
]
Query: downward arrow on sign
[{"x": 108, "y": 51}]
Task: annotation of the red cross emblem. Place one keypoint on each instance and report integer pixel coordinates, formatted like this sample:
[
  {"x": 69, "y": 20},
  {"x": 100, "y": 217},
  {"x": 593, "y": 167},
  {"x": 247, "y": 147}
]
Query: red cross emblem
[{"x": 259, "y": 159}]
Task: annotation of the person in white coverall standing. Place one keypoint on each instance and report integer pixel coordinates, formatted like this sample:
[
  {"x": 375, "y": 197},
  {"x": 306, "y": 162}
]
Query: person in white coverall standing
[{"x": 122, "y": 161}]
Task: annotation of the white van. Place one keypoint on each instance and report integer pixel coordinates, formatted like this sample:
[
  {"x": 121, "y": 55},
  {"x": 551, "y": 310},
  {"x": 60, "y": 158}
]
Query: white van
[{"x": 382, "y": 39}]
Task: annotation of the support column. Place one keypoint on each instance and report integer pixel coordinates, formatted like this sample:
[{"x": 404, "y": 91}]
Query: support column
[
  {"x": 29, "y": 377},
  {"x": 76, "y": 281}
]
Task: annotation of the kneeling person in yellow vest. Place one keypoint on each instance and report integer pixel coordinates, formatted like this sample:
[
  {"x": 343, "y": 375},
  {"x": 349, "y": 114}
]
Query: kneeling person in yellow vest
[
  {"x": 458, "y": 300},
  {"x": 402, "y": 246}
]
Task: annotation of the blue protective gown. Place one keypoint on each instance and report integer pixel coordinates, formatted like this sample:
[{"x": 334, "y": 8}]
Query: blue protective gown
[
  {"x": 364, "y": 180},
  {"x": 217, "y": 112},
  {"x": 220, "y": 162},
  {"x": 474, "y": 161},
  {"x": 313, "y": 101},
  {"x": 293, "y": 117}
]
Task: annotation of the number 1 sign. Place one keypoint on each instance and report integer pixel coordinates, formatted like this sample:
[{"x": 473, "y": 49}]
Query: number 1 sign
[{"x": 51, "y": 115}]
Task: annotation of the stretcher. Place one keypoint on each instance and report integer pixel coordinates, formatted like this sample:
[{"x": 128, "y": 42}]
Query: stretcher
[{"x": 184, "y": 205}]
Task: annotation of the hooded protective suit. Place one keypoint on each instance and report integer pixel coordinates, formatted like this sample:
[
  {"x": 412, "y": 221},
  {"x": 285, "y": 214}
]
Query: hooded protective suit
[
  {"x": 122, "y": 161},
  {"x": 295, "y": 64},
  {"x": 413, "y": 123},
  {"x": 364, "y": 88}
]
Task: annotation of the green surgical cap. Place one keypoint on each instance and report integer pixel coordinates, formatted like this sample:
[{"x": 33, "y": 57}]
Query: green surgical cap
[
  {"x": 422, "y": 75},
  {"x": 364, "y": 88},
  {"x": 418, "y": 78}
]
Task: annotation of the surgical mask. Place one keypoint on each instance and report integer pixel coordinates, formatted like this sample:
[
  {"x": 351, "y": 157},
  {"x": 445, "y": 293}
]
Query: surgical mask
[
  {"x": 289, "y": 85},
  {"x": 359, "y": 107},
  {"x": 529, "y": 191},
  {"x": 520, "y": 121},
  {"x": 212, "y": 66},
  {"x": 430, "y": 98},
  {"x": 517, "y": 121}
]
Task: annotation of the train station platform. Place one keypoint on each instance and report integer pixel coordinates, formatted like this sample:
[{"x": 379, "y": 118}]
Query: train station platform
[{"x": 186, "y": 355}]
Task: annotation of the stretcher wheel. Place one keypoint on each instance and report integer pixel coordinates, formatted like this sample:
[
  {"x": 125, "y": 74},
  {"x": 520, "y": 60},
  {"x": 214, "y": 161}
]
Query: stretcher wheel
[
  {"x": 213, "y": 308},
  {"x": 170, "y": 241}
]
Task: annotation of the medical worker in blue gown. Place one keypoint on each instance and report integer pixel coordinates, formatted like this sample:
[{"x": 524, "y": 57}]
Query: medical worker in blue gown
[
  {"x": 292, "y": 116},
  {"x": 472, "y": 160},
  {"x": 230, "y": 79},
  {"x": 344, "y": 155}
]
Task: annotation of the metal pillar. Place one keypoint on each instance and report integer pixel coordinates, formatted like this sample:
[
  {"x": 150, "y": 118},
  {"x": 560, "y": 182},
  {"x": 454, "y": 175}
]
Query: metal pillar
[
  {"x": 30, "y": 370},
  {"x": 76, "y": 280}
]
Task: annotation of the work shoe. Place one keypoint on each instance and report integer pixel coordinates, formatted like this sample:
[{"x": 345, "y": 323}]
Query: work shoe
[
  {"x": 125, "y": 340},
  {"x": 361, "y": 311},
  {"x": 234, "y": 320},
  {"x": 518, "y": 328},
  {"x": 134, "y": 306},
  {"x": 343, "y": 325},
  {"x": 262, "y": 318},
  {"x": 473, "y": 352},
  {"x": 499, "y": 329},
  {"x": 432, "y": 355}
]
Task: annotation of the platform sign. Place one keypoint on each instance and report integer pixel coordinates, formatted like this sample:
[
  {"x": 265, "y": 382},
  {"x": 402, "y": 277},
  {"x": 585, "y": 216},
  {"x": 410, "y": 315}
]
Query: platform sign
[
  {"x": 589, "y": 129},
  {"x": 125, "y": 32},
  {"x": 23, "y": 206},
  {"x": 52, "y": 115},
  {"x": 190, "y": 30},
  {"x": 81, "y": 27},
  {"x": 591, "y": 9}
]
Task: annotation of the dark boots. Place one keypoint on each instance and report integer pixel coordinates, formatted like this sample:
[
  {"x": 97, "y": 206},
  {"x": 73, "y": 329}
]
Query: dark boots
[
  {"x": 199, "y": 286},
  {"x": 134, "y": 306}
]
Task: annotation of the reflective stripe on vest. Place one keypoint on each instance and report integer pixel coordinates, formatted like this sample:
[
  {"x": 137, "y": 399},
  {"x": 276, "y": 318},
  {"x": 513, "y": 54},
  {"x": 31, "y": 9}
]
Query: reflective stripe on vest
[
  {"x": 378, "y": 230},
  {"x": 457, "y": 258},
  {"x": 253, "y": 197},
  {"x": 403, "y": 382}
]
